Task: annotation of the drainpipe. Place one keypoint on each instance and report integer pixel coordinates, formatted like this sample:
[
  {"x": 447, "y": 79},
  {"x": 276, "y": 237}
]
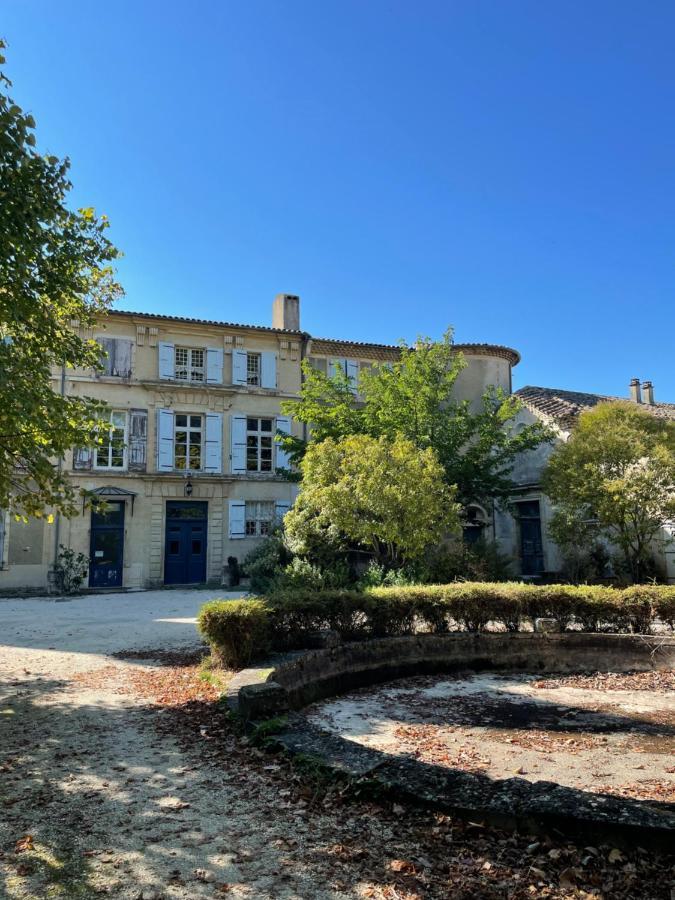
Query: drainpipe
[{"x": 305, "y": 344}]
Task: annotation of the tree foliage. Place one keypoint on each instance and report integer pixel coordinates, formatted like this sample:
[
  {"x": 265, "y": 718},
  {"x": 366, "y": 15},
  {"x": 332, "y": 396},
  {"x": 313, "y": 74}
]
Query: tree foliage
[
  {"x": 413, "y": 397},
  {"x": 385, "y": 496},
  {"x": 615, "y": 476},
  {"x": 55, "y": 267}
]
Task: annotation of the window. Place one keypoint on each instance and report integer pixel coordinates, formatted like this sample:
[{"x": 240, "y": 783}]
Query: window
[
  {"x": 259, "y": 444},
  {"x": 259, "y": 517},
  {"x": 188, "y": 442},
  {"x": 188, "y": 364},
  {"x": 253, "y": 368},
  {"x": 111, "y": 453}
]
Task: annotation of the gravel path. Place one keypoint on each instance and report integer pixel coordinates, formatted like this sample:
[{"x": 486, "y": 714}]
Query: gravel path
[
  {"x": 94, "y": 798},
  {"x": 110, "y": 788}
]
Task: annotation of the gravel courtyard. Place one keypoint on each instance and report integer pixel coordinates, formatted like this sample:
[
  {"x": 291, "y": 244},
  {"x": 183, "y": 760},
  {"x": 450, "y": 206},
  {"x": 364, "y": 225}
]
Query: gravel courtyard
[{"x": 120, "y": 777}]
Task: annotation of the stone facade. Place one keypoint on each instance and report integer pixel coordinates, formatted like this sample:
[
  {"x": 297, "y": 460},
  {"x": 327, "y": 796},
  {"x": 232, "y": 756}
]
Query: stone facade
[{"x": 191, "y": 463}]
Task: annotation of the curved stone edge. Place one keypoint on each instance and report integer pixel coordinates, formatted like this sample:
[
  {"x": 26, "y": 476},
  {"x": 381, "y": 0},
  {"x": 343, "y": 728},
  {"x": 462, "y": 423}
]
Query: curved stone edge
[{"x": 287, "y": 684}]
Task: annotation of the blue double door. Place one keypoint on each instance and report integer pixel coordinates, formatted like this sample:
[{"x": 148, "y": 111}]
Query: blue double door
[{"x": 185, "y": 544}]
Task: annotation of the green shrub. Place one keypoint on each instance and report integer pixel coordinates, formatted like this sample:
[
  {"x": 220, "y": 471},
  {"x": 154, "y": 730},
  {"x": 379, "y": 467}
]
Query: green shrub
[
  {"x": 240, "y": 630},
  {"x": 266, "y": 561},
  {"x": 237, "y": 630}
]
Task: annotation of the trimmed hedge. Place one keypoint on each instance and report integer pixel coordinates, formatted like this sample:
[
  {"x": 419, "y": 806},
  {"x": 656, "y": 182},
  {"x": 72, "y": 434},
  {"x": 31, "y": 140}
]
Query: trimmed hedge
[{"x": 240, "y": 630}]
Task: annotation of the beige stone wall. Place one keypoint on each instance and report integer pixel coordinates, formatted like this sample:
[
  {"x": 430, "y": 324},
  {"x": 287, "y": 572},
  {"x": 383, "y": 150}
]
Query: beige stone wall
[{"x": 31, "y": 548}]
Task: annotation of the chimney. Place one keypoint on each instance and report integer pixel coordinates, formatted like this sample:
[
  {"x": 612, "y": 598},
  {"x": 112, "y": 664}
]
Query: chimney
[
  {"x": 648, "y": 392},
  {"x": 635, "y": 395},
  {"x": 286, "y": 312}
]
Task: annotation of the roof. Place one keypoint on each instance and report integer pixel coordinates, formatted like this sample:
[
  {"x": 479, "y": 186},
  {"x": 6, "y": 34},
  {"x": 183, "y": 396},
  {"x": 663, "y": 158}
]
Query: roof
[
  {"x": 563, "y": 407},
  {"x": 191, "y": 321},
  {"x": 330, "y": 346}
]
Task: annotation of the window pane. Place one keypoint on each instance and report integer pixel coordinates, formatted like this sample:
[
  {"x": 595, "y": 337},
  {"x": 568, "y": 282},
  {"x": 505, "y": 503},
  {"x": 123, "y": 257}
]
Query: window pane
[
  {"x": 265, "y": 441},
  {"x": 195, "y": 421},
  {"x": 265, "y": 465},
  {"x": 119, "y": 419},
  {"x": 181, "y": 421},
  {"x": 265, "y": 424},
  {"x": 252, "y": 424}
]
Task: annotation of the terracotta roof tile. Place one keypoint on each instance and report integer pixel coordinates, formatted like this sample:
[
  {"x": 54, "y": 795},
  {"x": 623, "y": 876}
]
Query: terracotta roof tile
[{"x": 563, "y": 407}]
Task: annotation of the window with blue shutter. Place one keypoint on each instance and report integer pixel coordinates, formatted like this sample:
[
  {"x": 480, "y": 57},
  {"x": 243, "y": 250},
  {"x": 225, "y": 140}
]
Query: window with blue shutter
[
  {"x": 213, "y": 444},
  {"x": 165, "y": 440},
  {"x": 236, "y": 519},
  {"x": 238, "y": 444}
]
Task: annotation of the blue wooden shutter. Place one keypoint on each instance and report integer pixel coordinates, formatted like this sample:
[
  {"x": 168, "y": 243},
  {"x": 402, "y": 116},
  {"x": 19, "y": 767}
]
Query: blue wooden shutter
[
  {"x": 281, "y": 507},
  {"x": 138, "y": 439},
  {"x": 239, "y": 375},
  {"x": 237, "y": 519},
  {"x": 238, "y": 444},
  {"x": 214, "y": 365},
  {"x": 165, "y": 440},
  {"x": 166, "y": 361},
  {"x": 268, "y": 369},
  {"x": 213, "y": 444},
  {"x": 352, "y": 370},
  {"x": 283, "y": 460}
]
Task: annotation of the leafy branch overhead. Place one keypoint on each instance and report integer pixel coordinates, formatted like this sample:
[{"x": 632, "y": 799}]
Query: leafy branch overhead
[
  {"x": 56, "y": 267},
  {"x": 414, "y": 397}
]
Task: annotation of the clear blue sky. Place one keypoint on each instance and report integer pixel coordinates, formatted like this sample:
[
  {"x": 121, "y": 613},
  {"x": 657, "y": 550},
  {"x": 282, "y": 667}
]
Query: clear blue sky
[{"x": 504, "y": 167}]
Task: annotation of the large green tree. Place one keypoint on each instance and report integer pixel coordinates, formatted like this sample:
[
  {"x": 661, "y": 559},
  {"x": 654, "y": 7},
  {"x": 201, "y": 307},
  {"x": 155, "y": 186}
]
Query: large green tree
[
  {"x": 414, "y": 397},
  {"x": 385, "y": 496},
  {"x": 615, "y": 478},
  {"x": 55, "y": 267}
]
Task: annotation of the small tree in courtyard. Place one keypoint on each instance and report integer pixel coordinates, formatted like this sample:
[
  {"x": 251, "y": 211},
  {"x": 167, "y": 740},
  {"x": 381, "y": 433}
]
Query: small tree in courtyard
[
  {"x": 413, "y": 396},
  {"x": 616, "y": 475},
  {"x": 382, "y": 495}
]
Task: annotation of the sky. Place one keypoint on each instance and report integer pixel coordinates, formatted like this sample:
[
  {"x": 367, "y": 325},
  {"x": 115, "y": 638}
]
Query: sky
[{"x": 505, "y": 168}]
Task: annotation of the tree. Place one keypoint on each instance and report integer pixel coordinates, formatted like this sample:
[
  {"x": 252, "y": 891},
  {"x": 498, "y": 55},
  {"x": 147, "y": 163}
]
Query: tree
[
  {"x": 55, "y": 267},
  {"x": 616, "y": 475},
  {"x": 385, "y": 496},
  {"x": 413, "y": 397}
]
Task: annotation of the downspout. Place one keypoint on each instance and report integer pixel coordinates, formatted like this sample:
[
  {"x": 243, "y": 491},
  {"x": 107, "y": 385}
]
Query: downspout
[{"x": 305, "y": 344}]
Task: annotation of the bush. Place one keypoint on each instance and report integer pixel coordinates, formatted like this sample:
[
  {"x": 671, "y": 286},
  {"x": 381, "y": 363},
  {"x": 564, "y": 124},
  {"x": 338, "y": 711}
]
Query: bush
[
  {"x": 482, "y": 561},
  {"x": 285, "y": 620},
  {"x": 265, "y": 562},
  {"x": 237, "y": 630}
]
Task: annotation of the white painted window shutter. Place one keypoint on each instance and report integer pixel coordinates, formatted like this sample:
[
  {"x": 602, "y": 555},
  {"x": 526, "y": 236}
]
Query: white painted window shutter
[
  {"x": 283, "y": 459},
  {"x": 281, "y": 507},
  {"x": 214, "y": 365},
  {"x": 166, "y": 360},
  {"x": 352, "y": 369},
  {"x": 214, "y": 443},
  {"x": 237, "y": 519},
  {"x": 239, "y": 375},
  {"x": 238, "y": 444},
  {"x": 165, "y": 440},
  {"x": 268, "y": 369}
]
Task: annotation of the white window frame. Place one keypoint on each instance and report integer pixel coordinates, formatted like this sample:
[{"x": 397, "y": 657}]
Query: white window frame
[
  {"x": 189, "y": 430},
  {"x": 259, "y": 433},
  {"x": 253, "y": 369},
  {"x": 100, "y": 448},
  {"x": 187, "y": 370},
  {"x": 259, "y": 517}
]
